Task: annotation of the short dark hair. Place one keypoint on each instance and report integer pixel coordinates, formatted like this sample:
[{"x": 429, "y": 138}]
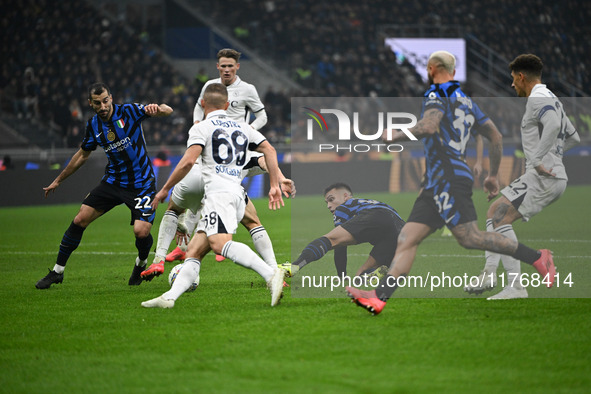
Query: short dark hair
[
  {"x": 338, "y": 185},
  {"x": 97, "y": 89},
  {"x": 528, "y": 64},
  {"x": 216, "y": 95},
  {"x": 228, "y": 52}
]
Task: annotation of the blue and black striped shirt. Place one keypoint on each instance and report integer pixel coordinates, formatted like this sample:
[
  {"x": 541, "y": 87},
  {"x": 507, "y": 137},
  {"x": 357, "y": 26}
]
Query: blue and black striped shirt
[
  {"x": 122, "y": 138},
  {"x": 350, "y": 208},
  {"x": 445, "y": 150}
]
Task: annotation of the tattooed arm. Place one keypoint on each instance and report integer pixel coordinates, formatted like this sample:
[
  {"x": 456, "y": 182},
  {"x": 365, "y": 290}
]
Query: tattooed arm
[{"x": 429, "y": 124}]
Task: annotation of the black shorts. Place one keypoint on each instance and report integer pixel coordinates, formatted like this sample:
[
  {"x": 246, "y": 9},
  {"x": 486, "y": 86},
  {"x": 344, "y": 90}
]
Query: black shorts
[
  {"x": 380, "y": 227},
  {"x": 452, "y": 206},
  {"x": 106, "y": 196}
]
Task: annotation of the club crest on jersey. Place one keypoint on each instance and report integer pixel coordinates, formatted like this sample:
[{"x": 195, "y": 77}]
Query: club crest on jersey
[{"x": 111, "y": 136}]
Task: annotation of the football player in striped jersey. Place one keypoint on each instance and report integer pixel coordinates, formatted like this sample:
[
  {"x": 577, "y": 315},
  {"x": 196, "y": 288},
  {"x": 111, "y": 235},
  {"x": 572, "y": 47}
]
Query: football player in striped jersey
[
  {"x": 129, "y": 177},
  {"x": 448, "y": 118},
  {"x": 356, "y": 221}
]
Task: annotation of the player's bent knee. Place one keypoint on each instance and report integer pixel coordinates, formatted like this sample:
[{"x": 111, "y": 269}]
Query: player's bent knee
[
  {"x": 217, "y": 245},
  {"x": 249, "y": 224},
  {"x": 85, "y": 216},
  {"x": 217, "y": 248},
  {"x": 78, "y": 221},
  {"x": 175, "y": 208},
  {"x": 141, "y": 234},
  {"x": 250, "y": 220}
]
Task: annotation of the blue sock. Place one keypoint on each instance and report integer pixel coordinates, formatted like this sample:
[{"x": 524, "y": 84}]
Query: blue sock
[
  {"x": 314, "y": 251},
  {"x": 143, "y": 246},
  {"x": 70, "y": 242}
]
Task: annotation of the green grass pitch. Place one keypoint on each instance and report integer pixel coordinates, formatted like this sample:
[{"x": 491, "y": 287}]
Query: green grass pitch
[{"x": 91, "y": 335}]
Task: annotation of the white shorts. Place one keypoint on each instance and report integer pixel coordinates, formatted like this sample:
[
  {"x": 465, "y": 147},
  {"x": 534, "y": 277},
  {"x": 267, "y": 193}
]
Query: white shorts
[
  {"x": 530, "y": 193},
  {"x": 188, "y": 193},
  {"x": 221, "y": 213}
]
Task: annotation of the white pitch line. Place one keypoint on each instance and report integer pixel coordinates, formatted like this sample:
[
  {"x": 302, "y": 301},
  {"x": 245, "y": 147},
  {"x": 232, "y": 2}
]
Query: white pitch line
[
  {"x": 480, "y": 257},
  {"x": 585, "y": 241},
  {"x": 75, "y": 253},
  {"x": 469, "y": 256},
  {"x": 447, "y": 239}
]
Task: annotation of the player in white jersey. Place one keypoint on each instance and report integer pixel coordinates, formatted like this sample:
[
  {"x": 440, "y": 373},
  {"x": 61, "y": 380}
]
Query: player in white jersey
[
  {"x": 188, "y": 193},
  {"x": 222, "y": 143},
  {"x": 546, "y": 133},
  {"x": 242, "y": 96},
  {"x": 243, "y": 99}
]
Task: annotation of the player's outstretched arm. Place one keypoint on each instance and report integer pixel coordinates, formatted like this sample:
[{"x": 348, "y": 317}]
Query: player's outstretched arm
[
  {"x": 275, "y": 198},
  {"x": 158, "y": 110},
  {"x": 182, "y": 169},
  {"x": 495, "y": 153},
  {"x": 75, "y": 163},
  {"x": 260, "y": 119},
  {"x": 477, "y": 170},
  {"x": 287, "y": 185},
  {"x": 429, "y": 124},
  {"x": 572, "y": 137}
]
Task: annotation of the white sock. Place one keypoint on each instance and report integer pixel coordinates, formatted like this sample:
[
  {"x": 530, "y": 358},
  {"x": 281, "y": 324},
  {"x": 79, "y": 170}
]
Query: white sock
[
  {"x": 188, "y": 221},
  {"x": 511, "y": 264},
  {"x": 191, "y": 220},
  {"x": 185, "y": 278},
  {"x": 492, "y": 258},
  {"x": 141, "y": 263},
  {"x": 59, "y": 268},
  {"x": 166, "y": 234},
  {"x": 263, "y": 245},
  {"x": 246, "y": 257}
]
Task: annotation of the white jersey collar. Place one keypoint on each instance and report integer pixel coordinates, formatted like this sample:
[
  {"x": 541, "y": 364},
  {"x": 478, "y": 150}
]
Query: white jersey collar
[
  {"x": 218, "y": 112},
  {"x": 536, "y": 87},
  {"x": 236, "y": 81}
]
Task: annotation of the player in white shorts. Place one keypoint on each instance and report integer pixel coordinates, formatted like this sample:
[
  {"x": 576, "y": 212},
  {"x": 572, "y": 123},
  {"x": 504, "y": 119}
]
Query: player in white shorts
[
  {"x": 177, "y": 220},
  {"x": 188, "y": 195},
  {"x": 222, "y": 144},
  {"x": 243, "y": 101},
  {"x": 546, "y": 133}
]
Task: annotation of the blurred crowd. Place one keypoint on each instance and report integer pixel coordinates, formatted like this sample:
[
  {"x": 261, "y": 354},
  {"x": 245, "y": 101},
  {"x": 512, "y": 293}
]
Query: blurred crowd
[
  {"x": 334, "y": 47},
  {"x": 51, "y": 51}
]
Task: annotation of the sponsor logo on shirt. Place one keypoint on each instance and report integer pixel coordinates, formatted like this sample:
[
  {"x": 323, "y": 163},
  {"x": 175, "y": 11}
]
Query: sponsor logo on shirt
[
  {"x": 119, "y": 145},
  {"x": 219, "y": 169}
]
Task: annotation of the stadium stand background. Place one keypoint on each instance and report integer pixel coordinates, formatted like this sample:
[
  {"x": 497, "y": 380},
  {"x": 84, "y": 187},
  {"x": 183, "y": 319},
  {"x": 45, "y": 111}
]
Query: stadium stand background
[{"x": 51, "y": 51}]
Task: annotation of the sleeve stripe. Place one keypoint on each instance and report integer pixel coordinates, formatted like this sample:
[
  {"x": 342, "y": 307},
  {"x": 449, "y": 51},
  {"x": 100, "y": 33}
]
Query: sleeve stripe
[
  {"x": 544, "y": 110},
  {"x": 133, "y": 111},
  {"x": 254, "y": 145}
]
